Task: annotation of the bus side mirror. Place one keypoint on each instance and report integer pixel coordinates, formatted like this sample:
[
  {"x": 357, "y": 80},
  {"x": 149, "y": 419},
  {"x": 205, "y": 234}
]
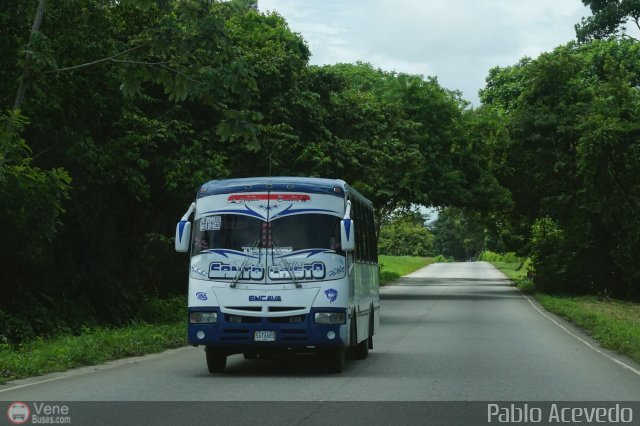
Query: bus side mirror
[
  {"x": 183, "y": 236},
  {"x": 347, "y": 235}
]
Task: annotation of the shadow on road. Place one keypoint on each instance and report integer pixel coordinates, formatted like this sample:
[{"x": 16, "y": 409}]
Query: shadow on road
[
  {"x": 453, "y": 282},
  {"x": 477, "y": 295},
  {"x": 311, "y": 367},
  {"x": 277, "y": 366}
]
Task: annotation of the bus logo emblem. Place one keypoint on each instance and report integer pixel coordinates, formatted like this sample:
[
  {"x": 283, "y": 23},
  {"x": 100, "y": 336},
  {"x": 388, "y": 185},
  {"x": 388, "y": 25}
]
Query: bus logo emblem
[{"x": 332, "y": 294}]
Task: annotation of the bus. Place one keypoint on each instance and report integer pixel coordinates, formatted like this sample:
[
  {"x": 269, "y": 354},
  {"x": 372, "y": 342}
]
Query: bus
[{"x": 281, "y": 265}]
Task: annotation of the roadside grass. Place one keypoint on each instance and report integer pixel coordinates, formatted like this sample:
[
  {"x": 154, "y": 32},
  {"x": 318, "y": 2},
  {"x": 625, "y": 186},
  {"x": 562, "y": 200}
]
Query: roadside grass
[
  {"x": 91, "y": 347},
  {"x": 160, "y": 325},
  {"x": 517, "y": 273},
  {"x": 614, "y": 324},
  {"x": 393, "y": 267}
]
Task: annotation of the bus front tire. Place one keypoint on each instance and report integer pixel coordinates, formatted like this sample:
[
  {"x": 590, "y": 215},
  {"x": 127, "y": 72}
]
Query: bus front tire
[
  {"x": 216, "y": 360},
  {"x": 334, "y": 359},
  {"x": 250, "y": 355}
]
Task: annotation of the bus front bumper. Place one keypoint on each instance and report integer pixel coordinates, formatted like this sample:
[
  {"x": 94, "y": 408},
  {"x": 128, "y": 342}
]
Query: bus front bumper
[{"x": 239, "y": 333}]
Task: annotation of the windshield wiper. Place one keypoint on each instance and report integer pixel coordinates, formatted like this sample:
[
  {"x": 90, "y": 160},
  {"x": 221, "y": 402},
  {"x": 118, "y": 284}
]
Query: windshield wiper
[
  {"x": 244, "y": 263},
  {"x": 286, "y": 264}
]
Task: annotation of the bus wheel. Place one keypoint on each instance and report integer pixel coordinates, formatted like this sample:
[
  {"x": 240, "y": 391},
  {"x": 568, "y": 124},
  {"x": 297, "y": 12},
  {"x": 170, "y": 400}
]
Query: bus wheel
[
  {"x": 250, "y": 355},
  {"x": 334, "y": 359},
  {"x": 362, "y": 349},
  {"x": 216, "y": 360},
  {"x": 351, "y": 349}
]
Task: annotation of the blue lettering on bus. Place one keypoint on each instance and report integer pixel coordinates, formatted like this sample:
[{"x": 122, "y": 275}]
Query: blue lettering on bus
[
  {"x": 299, "y": 271},
  {"x": 305, "y": 271},
  {"x": 265, "y": 299},
  {"x": 224, "y": 271}
]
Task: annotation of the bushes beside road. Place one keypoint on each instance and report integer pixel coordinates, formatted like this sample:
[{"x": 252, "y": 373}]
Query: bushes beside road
[
  {"x": 91, "y": 347},
  {"x": 159, "y": 326}
]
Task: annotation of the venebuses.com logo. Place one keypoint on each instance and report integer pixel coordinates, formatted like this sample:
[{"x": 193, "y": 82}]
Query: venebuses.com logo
[{"x": 18, "y": 413}]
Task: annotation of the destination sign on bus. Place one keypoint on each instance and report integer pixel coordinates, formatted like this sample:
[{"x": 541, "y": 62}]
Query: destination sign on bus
[{"x": 259, "y": 198}]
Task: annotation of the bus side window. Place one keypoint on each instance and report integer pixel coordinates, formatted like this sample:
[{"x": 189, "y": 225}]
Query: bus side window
[
  {"x": 369, "y": 237},
  {"x": 365, "y": 233},
  {"x": 354, "y": 216},
  {"x": 374, "y": 240},
  {"x": 360, "y": 232}
]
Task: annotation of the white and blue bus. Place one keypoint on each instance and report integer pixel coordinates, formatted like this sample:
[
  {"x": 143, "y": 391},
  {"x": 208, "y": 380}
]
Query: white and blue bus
[{"x": 281, "y": 264}]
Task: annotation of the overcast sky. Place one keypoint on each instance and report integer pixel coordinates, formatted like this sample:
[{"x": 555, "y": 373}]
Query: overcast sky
[{"x": 457, "y": 41}]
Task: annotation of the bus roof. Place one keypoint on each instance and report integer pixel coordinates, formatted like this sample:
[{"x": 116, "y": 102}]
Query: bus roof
[{"x": 335, "y": 187}]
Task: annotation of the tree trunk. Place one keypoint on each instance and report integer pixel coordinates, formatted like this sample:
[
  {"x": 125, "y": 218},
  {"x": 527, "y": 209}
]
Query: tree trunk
[{"x": 27, "y": 70}]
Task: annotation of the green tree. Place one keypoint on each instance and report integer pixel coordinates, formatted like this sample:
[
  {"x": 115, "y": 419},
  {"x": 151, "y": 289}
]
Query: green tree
[
  {"x": 30, "y": 218},
  {"x": 458, "y": 234},
  {"x": 399, "y": 139},
  {"x": 406, "y": 235},
  {"x": 140, "y": 102},
  {"x": 610, "y": 17},
  {"x": 130, "y": 105},
  {"x": 571, "y": 163}
]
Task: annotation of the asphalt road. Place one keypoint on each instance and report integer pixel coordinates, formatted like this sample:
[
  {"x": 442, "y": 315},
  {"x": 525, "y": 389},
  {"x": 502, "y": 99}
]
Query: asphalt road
[{"x": 449, "y": 332}]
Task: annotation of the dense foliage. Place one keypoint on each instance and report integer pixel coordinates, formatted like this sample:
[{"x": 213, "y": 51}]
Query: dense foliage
[
  {"x": 458, "y": 234},
  {"x": 114, "y": 112},
  {"x": 126, "y": 107},
  {"x": 571, "y": 159}
]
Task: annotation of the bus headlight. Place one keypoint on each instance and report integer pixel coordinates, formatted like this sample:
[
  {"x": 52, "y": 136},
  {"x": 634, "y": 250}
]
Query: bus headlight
[
  {"x": 203, "y": 317},
  {"x": 329, "y": 318}
]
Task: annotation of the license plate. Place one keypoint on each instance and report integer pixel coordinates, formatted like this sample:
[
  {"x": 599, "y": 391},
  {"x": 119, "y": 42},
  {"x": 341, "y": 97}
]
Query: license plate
[{"x": 265, "y": 336}]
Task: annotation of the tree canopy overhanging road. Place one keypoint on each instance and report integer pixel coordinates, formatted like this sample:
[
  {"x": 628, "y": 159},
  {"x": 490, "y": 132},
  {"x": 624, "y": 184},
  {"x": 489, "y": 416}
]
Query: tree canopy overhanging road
[{"x": 113, "y": 113}]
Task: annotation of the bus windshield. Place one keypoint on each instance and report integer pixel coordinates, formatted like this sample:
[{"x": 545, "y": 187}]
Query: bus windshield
[{"x": 244, "y": 233}]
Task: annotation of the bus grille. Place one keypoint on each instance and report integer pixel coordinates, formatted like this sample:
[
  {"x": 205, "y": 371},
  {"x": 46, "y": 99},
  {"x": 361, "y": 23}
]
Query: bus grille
[
  {"x": 236, "y": 319},
  {"x": 295, "y": 319},
  {"x": 246, "y": 308},
  {"x": 285, "y": 308}
]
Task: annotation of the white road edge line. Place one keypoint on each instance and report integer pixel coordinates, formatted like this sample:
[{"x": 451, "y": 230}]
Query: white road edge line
[
  {"x": 32, "y": 384},
  {"x": 617, "y": 361}
]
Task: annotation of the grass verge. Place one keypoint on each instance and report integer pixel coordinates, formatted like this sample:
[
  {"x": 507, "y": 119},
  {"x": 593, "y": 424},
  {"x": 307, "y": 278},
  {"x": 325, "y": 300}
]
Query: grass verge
[
  {"x": 614, "y": 324},
  {"x": 517, "y": 272},
  {"x": 393, "y": 267},
  {"x": 91, "y": 347}
]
